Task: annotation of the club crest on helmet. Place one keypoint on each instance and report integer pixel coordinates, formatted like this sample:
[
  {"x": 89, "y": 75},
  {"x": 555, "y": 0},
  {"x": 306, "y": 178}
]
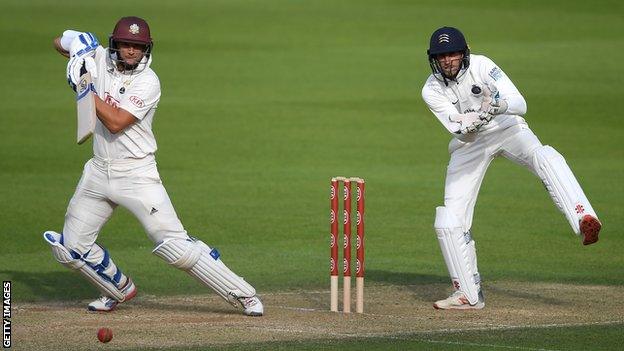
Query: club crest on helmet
[
  {"x": 444, "y": 38},
  {"x": 134, "y": 29}
]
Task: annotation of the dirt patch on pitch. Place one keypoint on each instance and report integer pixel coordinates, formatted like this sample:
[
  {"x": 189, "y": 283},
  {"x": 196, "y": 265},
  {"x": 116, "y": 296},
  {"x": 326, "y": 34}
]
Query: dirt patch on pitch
[{"x": 391, "y": 311}]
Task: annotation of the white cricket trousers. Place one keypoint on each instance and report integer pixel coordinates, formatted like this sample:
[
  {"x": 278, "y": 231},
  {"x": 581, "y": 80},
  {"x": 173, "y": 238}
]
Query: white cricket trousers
[
  {"x": 132, "y": 183},
  {"x": 469, "y": 162}
]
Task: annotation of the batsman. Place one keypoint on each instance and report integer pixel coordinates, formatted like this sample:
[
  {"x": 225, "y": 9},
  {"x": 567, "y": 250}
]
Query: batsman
[
  {"x": 123, "y": 172},
  {"x": 483, "y": 110}
]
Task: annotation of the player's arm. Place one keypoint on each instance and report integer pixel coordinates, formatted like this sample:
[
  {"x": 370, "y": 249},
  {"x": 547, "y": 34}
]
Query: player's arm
[
  {"x": 506, "y": 97},
  {"x": 63, "y": 43},
  {"x": 137, "y": 101},
  {"x": 456, "y": 123},
  {"x": 115, "y": 119},
  {"x": 80, "y": 48},
  {"x": 59, "y": 47}
]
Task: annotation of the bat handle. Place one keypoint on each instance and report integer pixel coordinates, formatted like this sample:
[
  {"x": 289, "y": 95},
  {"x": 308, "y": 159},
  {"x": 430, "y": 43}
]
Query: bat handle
[{"x": 83, "y": 69}]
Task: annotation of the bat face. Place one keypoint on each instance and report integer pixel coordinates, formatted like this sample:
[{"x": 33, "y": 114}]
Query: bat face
[{"x": 86, "y": 108}]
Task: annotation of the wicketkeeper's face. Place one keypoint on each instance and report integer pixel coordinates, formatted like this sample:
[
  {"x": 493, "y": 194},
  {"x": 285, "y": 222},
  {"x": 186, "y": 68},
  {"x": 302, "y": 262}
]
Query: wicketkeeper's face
[
  {"x": 450, "y": 63},
  {"x": 131, "y": 53}
]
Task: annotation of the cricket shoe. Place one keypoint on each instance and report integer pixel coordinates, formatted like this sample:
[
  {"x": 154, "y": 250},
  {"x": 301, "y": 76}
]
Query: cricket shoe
[
  {"x": 458, "y": 301},
  {"x": 590, "y": 228},
  {"x": 107, "y": 304},
  {"x": 252, "y": 306}
]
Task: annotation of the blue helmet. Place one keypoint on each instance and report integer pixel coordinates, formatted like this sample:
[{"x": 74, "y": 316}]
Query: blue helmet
[{"x": 446, "y": 40}]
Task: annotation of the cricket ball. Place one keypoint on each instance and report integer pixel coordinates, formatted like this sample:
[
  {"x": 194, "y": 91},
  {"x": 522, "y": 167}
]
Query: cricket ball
[{"x": 105, "y": 334}]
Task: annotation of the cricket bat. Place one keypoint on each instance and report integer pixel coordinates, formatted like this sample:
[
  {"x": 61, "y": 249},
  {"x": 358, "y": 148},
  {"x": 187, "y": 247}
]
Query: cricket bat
[{"x": 86, "y": 107}]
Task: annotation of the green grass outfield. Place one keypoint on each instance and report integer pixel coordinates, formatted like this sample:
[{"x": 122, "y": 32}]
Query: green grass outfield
[
  {"x": 524, "y": 339},
  {"x": 264, "y": 101}
]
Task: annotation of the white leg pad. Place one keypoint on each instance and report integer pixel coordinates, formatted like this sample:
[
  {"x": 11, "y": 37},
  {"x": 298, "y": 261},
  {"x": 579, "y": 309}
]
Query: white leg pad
[
  {"x": 459, "y": 254},
  {"x": 203, "y": 263},
  {"x": 562, "y": 186},
  {"x": 107, "y": 286}
]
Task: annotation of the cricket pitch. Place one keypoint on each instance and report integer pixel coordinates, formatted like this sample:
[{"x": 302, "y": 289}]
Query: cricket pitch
[{"x": 390, "y": 311}]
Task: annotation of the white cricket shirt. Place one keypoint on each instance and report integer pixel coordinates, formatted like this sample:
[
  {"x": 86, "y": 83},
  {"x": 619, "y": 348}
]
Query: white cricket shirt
[
  {"x": 137, "y": 93},
  {"x": 466, "y": 94}
]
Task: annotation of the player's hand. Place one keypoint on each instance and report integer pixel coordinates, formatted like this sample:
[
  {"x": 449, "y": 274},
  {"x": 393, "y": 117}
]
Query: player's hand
[
  {"x": 496, "y": 107},
  {"x": 492, "y": 105},
  {"x": 83, "y": 45},
  {"x": 473, "y": 127},
  {"x": 77, "y": 66},
  {"x": 73, "y": 71},
  {"x": 90, "y": 66},
  {"x": 469, "y": 122},
  {"x": 81, "y": 52}
]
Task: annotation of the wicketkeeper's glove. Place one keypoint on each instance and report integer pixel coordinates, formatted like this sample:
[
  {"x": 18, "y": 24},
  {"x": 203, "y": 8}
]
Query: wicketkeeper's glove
[
  {"x": 492, "y": 105},
  {"x": 469, "y": 122}
]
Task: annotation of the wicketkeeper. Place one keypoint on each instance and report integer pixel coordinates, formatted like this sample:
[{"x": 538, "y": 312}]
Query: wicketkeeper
[
  {"x": 123, "y": 172},
  {"x": 480, "y": 106}
]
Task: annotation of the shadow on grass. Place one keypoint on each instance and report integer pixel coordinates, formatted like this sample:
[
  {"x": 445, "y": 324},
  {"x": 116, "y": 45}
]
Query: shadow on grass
[
  {"x": 526, "y": 295},
  {"x": 217, "y": 306},
  {"x": 404, "y": 278},
  {"x": 71, "y": 286},
  {"x": 434, "y": 287},
  {"x": 425, "y": 286},
  {"x": 45, "y": 286}
]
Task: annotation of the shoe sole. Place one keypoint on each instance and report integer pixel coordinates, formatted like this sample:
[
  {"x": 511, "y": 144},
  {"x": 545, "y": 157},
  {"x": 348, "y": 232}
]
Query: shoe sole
[
  {"x": 93, "y": 309},
  {"x": 478, "y": 306},
  {"x": 590, "y": 228},
  {"x": 131, "y": 295}
]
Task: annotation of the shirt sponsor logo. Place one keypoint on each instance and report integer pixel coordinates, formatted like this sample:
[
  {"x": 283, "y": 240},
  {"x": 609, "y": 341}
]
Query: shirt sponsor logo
[
  {"x": 496, "y": 73},
  {"x": 111, "y": 100},
  {"x": 137, "y": 101}
]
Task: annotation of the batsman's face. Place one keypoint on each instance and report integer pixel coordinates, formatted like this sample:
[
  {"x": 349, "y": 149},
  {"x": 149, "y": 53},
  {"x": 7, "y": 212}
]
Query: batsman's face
[
  {"x": 131, "y": 53},
  {"x": 450, "y": 63}
]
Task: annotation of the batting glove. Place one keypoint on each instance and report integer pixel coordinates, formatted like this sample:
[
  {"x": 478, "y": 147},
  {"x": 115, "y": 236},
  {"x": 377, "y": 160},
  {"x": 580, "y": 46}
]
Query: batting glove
[
  {"x": 81, "y": 52},
  {"x": 84, "y": 44},
  {"x": 77, "y": 66}
]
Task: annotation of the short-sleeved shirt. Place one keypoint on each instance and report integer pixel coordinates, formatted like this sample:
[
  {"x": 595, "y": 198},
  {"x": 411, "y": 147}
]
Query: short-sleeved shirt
[{"x": 137, "y": 93}]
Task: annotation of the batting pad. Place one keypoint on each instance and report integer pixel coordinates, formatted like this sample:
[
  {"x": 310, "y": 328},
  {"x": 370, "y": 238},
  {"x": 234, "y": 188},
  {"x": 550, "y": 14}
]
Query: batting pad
[
  {"x": 459, "y": 253},
  {"x": 101, "y": 281},
  {"x": 562, "y": 186},
  {"x": 203, "y": 263}
]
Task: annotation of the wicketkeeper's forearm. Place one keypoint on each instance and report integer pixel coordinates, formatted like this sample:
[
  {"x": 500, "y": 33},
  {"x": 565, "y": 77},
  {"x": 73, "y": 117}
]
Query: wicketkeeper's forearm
[{"x": 516, "y": 105}]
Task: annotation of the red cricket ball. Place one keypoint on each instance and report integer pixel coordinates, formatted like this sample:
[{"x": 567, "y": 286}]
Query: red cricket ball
[{"x": 105, "y": 334}]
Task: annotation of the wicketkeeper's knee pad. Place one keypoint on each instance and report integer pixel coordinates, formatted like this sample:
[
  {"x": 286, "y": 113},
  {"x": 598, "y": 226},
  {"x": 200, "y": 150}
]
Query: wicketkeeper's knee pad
[
  {"x": 562, "y": 186},
  {"x": 95, "y": 273},
  {"x": 459, "y": 253},
  {"x": 203, "y": 263}
]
